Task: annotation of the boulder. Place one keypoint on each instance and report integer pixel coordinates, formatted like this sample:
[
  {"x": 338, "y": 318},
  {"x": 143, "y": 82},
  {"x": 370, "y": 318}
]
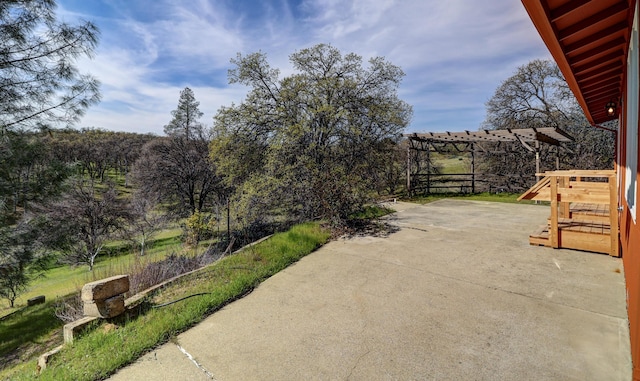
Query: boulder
[{"x": 107, "y": 308}]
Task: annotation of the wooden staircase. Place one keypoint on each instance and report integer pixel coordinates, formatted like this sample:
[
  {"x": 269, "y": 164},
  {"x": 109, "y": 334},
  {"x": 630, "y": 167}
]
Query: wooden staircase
[{"x": 581, "y": 203}]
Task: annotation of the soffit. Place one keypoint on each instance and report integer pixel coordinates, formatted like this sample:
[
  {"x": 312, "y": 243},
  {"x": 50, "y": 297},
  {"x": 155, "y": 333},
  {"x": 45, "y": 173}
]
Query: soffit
[{"x": 589, "y": 41}]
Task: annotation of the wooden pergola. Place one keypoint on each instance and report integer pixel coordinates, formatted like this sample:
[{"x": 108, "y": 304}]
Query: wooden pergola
[{"x": 472, "y": 141}]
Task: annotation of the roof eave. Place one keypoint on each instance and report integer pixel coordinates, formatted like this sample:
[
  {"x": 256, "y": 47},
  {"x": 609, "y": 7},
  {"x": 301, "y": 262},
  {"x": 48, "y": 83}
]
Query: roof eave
[{"x": 540, "y": 18}]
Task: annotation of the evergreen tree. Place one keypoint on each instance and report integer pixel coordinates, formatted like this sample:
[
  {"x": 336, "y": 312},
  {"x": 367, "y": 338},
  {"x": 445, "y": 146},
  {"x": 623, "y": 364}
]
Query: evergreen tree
[
  {"x": 39, "y": 82},
  {"x": 185, "y": 117}
]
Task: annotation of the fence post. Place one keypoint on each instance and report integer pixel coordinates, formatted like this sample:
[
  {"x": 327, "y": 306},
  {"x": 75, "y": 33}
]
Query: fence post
[
  {"x": 409, "y": 170},
  {"x": 473, "y": 169}
]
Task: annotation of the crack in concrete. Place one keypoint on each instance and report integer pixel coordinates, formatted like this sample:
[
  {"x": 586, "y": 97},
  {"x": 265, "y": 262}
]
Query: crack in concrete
[
  {"x": 193, "y": 360},
  {"x": 357, "y": 362}
]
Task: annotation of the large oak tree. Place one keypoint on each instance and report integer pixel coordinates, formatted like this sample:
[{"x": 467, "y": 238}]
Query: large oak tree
[{"x": 307, "y": 144}]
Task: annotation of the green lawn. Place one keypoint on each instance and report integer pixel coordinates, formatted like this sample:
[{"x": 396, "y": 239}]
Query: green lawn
[
  {"x": 64, "y": 280},
  {"x": 452, "y": 164},
  {"x": 33, "y": 330}
]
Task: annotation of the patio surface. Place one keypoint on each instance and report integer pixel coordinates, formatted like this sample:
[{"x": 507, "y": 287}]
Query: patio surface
[{"x": 455, "y": 293}]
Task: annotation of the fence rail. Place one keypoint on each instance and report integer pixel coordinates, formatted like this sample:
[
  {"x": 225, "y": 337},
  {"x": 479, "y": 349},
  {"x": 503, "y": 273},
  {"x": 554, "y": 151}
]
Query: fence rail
[{"x": 423, "y": 183}]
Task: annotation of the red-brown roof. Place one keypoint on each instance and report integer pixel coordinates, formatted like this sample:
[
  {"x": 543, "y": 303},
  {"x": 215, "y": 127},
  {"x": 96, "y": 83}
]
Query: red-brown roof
[{"x": 589, "y": 41}]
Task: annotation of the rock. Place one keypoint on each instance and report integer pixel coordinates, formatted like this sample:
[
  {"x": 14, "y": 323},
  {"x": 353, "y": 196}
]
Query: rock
[
  {"x": 109, "y": 327},
  {"x": 35, "y": 300},
  {"x": 105, "y": 288},
  {"x": 107, "y": 308}
]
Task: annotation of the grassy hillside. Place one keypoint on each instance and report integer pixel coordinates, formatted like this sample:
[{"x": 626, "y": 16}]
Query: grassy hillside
[
  {"x": 219, "y": 283},
  {"x": 63, "y": 280}
]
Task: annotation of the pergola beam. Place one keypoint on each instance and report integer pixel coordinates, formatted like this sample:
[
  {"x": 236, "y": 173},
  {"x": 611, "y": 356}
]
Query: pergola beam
[{"x": 549, "y": 135}]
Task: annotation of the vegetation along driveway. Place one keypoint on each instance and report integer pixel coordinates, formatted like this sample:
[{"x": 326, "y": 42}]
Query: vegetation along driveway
[{"x": 453, "y": 292}]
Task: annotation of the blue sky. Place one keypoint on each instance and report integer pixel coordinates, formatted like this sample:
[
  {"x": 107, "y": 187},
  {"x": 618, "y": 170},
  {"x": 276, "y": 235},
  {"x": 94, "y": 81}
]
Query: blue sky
[{"x": 455, "y": 53}]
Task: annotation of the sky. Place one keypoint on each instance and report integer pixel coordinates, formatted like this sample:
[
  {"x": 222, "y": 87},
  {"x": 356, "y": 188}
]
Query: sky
[{"x": 454, "y": 53}]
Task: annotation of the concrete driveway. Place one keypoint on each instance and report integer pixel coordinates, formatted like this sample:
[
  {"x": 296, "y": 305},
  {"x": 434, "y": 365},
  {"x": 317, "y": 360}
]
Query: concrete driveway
[{"x": 454, "y": 293}]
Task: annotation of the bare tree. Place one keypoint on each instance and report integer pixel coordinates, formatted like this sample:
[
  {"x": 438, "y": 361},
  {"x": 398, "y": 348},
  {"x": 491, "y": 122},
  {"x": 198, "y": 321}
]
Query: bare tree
[
  {"x": 147, "y": 219},
  {"x": 538, "y": 96},
  {"x": 179, "y": 173},
  {"x": 85, "y": 218}
]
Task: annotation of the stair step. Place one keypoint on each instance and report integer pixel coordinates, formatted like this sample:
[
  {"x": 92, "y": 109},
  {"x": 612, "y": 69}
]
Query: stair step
[{"x": 540, "y": 237}]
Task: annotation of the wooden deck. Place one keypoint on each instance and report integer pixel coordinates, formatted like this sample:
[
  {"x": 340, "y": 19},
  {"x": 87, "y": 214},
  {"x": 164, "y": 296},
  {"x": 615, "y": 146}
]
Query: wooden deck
[{"x": 581, "y": 204}]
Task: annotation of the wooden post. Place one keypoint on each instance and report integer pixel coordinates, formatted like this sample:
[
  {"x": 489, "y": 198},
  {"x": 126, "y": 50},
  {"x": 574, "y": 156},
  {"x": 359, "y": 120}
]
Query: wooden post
[
  {"x": 553, "y": 229},
  {"x": 428, "y": 168},
  {"x": 613, "y": 216},
  {"x": 557, "y": 158},
  {"x": 473, "y": 169},
  {"x": 409, "y": 170},
  {"x": 537, "y": 160},
  {"x": 228, "y": 220},
  {"x": 565, "y": 207}
]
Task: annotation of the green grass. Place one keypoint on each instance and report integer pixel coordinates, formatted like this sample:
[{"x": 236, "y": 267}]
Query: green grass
[
  {"x": 223, "y": 282},
  {"x": 452, "y": 163},
  {"x": 32, "y": 330},
  {"x": 63, "y": 280},
  {"x": 35, "y": 327}
]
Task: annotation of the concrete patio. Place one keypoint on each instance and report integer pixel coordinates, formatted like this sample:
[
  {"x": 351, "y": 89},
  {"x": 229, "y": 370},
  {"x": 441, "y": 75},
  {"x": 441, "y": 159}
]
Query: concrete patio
[{"x": 455, "y": 292}]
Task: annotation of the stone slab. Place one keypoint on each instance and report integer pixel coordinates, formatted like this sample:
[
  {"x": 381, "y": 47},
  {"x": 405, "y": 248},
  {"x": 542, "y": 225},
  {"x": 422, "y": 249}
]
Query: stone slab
[
  {"x": 70, "y": 330},
  {"x": 105, "y": 288},
  {"x": 107, "y": 308},
  {"x": 43, "y": 360},
  {"x": 36, "y": 300}
]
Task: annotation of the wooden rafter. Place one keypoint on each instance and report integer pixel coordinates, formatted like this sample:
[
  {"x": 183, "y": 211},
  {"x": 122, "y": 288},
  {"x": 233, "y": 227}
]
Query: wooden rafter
[{"x": 549, "y": 135}]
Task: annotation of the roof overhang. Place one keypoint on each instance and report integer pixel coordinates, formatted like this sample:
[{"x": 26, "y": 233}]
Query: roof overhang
[{"x": 589, "y": 41}]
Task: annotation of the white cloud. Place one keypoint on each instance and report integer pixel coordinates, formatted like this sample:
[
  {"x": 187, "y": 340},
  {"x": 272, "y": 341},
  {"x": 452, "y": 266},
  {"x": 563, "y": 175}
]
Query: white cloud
[
  {"x": 197, "y": 35},
  {"x": 454, "y": 52},
  {"x": 338, "y": 19}
]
